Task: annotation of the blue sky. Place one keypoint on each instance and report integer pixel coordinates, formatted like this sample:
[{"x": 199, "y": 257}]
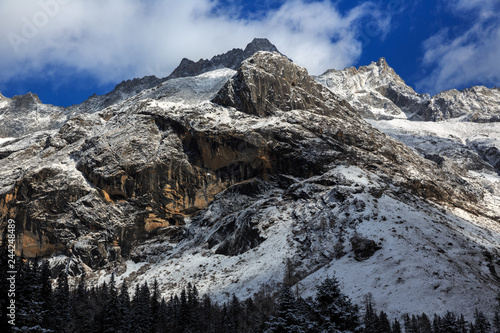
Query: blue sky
[{"x": 66, "y": 50}]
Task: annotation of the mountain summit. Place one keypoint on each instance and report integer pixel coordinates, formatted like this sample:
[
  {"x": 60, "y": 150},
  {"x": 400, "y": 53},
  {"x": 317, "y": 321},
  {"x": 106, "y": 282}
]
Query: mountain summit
[{"x": 231, "y": 59}]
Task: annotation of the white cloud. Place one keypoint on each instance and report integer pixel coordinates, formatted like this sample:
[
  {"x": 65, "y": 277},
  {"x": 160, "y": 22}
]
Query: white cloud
[
  {"x": 471, "y": 57},
  {"x": 119, "y": 39}
]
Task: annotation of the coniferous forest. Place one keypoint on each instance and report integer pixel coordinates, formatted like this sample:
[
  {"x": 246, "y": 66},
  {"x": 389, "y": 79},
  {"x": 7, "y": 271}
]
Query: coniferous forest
[{"x": 44, "y": 306}]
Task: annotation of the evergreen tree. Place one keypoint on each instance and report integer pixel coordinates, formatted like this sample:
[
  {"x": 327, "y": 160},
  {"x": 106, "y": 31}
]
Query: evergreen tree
[
  {"x": 334, "y": 309},
  {"x": 142, "y": 309},
  {"x": 462, "y": 325},
  {"x": 84, "y": 312},
  {"x": 437, "y": 324},
  {"x": 46, "y": 296},
  {"x": 111, "y": 316},
  {"x": 481, "y": 323},
  {"x": 233, "y": 312},
  {"x": 288, "y": 317},
  {"x": 370, "y": 319},
  {"x": 449, "y": 323},
  {"x": 396, "y": 326},
  {"x": 63, "y": 316},
  {"x": 424, "y": 324},
  {"x": 496, "y": 322},
  {"x": 206, "y": 314},
  {"x": 383, "y": 325},
  {"x": 124, "y": 311}
]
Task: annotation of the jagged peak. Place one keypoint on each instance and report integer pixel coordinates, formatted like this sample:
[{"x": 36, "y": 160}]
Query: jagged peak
[
  {"x": 382, "y": 63},
  {"x": 27, "y": 98},
  {"x": 231, "y": 59},
  {"x": 260, "y": 44}
]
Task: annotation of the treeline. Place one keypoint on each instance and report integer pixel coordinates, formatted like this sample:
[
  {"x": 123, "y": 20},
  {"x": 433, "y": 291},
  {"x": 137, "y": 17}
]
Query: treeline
[{"x": 42, "y": 307}]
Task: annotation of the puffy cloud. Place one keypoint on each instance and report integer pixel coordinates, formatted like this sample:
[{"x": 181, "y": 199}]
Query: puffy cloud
[
  {"x": 465, "y": 59},
  {"x": 119, "y": 39}
]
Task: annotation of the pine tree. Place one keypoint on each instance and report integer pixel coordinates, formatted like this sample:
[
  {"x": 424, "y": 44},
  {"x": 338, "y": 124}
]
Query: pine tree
[
  {"x": 449, "y": 323},
  {"x": 84, "y": 312},
  {"x": 424, "y": 324},
  {"x": 142, "y": 309},
  {"x": 496, "y": 322},
  {"x": 155, "y": 305},
  {"x": 437, "y": 324},
  {"x": 287, "y": 319},
  {"x": 111, "y": 310},
  {"x": 124, "y": 311},
  {"x": 481, "y": 323},
  {"x": 234, "y": 312},
  {"x": 384, "y": 325},
  {"x": 62, "y": 305},
  {"x": 335, "y": 310},
  {"x": 206, "y": 314},
  {"x": 462, "y": 325},
  {"x": 396, "y": 326},
  {"x": 370, "y": 319},
  {"x": 46, "y": 296}
]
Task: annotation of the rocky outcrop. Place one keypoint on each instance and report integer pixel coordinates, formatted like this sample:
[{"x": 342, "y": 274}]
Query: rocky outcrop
[
  {"x": 477, "y": 104},
  {"x": 25, "y": 114},
  {"x": 269, "y": 82},
  {"x": 376, "y": 91}
]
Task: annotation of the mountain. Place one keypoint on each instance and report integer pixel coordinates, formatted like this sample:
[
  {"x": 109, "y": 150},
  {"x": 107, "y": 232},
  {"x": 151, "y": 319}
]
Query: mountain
[
  {"x": 26, "y": 114},
  {"x": 378, "y": 92},
  {"x": 384, "y": 99},
  {"x": 231, "y": 177}
]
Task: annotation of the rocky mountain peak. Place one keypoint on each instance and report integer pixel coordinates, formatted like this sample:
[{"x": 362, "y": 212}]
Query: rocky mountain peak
[
  {"x": 26, "y": 100},
  {"x": 259, "y": 44},
  {"x": 382, "y": 62},
  {"x": 268, "y": 82},
  {"x": 231, "y": 59}
]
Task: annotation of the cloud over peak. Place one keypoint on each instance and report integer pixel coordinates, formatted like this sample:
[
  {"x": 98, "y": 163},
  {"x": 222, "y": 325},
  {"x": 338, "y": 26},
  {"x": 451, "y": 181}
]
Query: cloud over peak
[{"x": 119, "y": 39}]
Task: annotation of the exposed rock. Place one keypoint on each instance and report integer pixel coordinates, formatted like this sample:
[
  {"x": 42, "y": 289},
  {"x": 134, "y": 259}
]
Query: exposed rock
[
  {"x": 363, "y": 248},
  {"x": 21, "y": 115},
  {"x": 267, "y": 82}
]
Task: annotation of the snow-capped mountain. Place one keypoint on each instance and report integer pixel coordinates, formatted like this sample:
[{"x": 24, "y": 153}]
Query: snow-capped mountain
[
  {"x": 384, "y": 99},
  {"x": 26, "y": 114},
  {"x": 222, "y": 177}
]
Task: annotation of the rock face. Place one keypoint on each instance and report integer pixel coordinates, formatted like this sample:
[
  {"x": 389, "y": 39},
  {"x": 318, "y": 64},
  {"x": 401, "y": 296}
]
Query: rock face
[
  {"x": 222, "y": 177},
  {"x": 477, "y": 104},
  {"x": 266, "y": 84},
  {"x": 376, "y": 91},
  {"x": 26, "y": 114}
]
